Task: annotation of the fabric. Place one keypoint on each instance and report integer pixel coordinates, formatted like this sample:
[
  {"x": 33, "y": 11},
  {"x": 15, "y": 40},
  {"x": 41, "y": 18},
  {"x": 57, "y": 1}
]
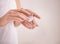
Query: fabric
[{"x": 8, "y": 34}]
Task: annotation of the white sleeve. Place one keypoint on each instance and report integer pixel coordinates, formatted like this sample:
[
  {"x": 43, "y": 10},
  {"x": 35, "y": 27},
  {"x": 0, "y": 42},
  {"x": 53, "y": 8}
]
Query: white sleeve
[
  {"x": 2, "y": 27},
  {"x": 2, "y": 31}
]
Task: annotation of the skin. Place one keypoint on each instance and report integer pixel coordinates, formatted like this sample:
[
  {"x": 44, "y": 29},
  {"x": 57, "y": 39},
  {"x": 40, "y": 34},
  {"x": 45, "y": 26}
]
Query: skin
[{"x": 19, "y": 17}]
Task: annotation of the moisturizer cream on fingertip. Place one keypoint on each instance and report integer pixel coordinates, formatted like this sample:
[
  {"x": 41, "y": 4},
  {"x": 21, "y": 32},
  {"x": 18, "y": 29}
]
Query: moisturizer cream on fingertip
[{"x": 30, "y": 18}]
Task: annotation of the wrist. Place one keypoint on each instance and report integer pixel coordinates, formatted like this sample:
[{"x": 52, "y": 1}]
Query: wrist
[{"x": 1, "y": 22}]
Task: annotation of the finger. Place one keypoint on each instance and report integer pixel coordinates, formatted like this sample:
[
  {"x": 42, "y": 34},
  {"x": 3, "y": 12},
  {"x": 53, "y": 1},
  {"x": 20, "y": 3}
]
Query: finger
[
  {"x": 20, "y": 15},
  {"x": 11, "y": 12},
  {"x": 16, "y": 19},
  {"x": 34, "y": 14},
  {"x": 25, "y": 12},
  {"x": 24, "y": 17},
  {"x": 27, "y": 25},
  {"x": 20, "y": 11},
  {"x": 34, "y": 23},
  {"x": 14, "y": 11}
]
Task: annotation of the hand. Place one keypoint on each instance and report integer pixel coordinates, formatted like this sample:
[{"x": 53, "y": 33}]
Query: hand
[
  {"x": 12, "y": 15},
  {"x": 33, "y": 23},
  {"x": 19, "y": 16}
]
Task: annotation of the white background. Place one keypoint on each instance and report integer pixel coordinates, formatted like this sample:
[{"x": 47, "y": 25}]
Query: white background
[{"x": 49, "y": 24}]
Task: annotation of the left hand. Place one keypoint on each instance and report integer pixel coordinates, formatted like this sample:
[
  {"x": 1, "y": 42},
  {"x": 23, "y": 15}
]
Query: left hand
[{"x": 27, "y": 24}]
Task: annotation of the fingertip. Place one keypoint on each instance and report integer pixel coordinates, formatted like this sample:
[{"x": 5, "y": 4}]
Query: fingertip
[
  {"x": 39, "y": 17},
  {"x": 35, "y": 15}
]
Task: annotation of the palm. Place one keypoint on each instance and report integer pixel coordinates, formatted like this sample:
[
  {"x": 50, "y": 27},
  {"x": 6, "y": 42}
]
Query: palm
[{"x": 29, "y": 25}]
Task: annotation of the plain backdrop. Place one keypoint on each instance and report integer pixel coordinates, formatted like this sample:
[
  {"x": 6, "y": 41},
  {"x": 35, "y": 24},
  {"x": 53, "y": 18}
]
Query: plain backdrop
[{"x": 48, "y": 31}]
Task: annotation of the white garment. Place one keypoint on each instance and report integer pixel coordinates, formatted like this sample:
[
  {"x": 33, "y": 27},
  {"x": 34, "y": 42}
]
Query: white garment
[{"x": 8, "y": 34}]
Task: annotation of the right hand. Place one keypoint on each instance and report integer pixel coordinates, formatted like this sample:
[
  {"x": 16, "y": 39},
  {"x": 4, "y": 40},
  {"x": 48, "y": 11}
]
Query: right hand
[{"x": 12, "y": 15}]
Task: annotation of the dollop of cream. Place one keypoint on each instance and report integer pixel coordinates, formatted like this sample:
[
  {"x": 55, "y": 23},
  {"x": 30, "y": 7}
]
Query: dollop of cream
[{"x": 30, "y": 18}]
